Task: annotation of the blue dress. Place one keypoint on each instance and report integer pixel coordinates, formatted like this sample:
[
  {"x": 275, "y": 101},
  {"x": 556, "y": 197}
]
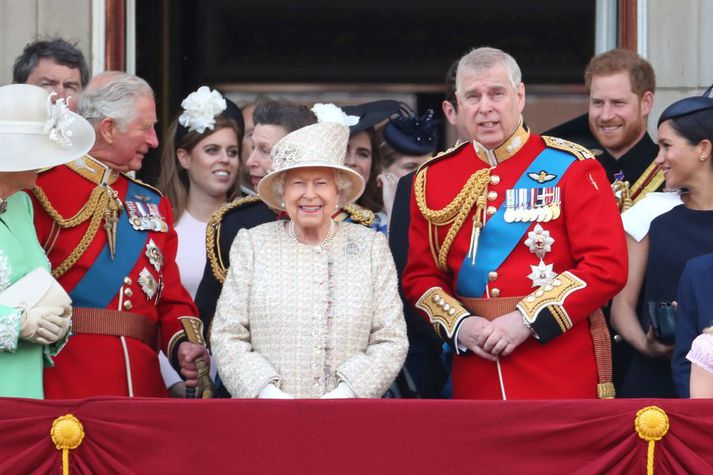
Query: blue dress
[
  {"x": 695, "y": 312},
  {"x": 675, "y": 237}
]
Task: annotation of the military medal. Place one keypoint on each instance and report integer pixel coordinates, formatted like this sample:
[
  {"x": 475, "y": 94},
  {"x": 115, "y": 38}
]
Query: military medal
[
  {"x": 509, "y": 215},
  {"x": 138, "y": 216},
  {"x": 540, "y": 203},
  {"x": 154, "y": 254},
  {"x": 531, "y": 211},
  {"x": 158, "y": 221},
  {"x": 148, "y": 284},
  {"x": 539, "y": 241},
  {"x": 542, "y": 274},
  {"x": 145, "y": 216},
  {"x": 521, "y": 211},
  {"x": 555, "y": 206}
]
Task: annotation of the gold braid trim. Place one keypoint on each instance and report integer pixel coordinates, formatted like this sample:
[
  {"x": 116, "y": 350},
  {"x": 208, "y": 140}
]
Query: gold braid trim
[
  {"x": 641, "y": 187},
  {"x": 89, "y": 208},
  {"x": 212, "y": 236},
  {"x": 359, "y": 215},
  {"x": 457, "y": 210},
  {"x": 94, "y": 209}
]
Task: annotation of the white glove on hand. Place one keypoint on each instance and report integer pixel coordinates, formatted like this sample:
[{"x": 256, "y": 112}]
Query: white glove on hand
[
  {"x": 342, "y": 391},
  {"x": 273, "y": 392},
  {"x": 44, "y": 325}
]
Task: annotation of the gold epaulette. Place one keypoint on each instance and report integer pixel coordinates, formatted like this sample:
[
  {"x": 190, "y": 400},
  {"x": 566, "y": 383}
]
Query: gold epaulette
[
  {"x": 212, "y": 236},
  {"x": 143, "y": 183},
  {"x": 357, "y": 214},
  {"x": 582, "y": 153},
  {"x": 440, "y": 156}
]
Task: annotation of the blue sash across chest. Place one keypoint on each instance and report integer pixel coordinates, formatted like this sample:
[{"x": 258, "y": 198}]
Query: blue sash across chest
[
  {"x": 105, "y": 277},
  {"x": 498, "y": 237}
]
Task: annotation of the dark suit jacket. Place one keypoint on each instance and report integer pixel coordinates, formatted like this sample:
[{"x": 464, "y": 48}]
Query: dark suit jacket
[{"x": 424, "y": 355}]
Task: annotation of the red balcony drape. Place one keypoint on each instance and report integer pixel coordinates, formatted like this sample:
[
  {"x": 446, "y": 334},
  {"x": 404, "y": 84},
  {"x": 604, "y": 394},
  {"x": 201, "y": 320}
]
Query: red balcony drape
[{"x": 155, "y": 436}]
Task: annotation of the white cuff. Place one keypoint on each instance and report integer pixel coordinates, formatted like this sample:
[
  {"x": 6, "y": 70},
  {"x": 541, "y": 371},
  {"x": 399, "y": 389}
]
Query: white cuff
[
  {"x": 342, "y": 391},
  {"x": 460, "y": 349},
  {"x": 270, "y": 391}
]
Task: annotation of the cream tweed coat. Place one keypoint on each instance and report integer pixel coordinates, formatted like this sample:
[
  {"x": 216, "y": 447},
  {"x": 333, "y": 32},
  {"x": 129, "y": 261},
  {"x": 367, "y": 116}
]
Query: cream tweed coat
[{"x": 309, "y": 317}]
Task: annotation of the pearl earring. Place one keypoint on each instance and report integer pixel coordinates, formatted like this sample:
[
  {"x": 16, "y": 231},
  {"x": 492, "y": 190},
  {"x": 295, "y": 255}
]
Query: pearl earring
[
  {"x": 282, "y": 205},
  {"x": 702, "y": 158}
]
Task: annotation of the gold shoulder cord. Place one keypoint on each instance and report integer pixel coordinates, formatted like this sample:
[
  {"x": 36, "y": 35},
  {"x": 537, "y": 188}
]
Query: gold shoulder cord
[
  {"x": 473, "y": 192},
  {"x": 93, "y": 209},
  {"x": 212, "y": 236},
  {"x": 359, "y": 215}
]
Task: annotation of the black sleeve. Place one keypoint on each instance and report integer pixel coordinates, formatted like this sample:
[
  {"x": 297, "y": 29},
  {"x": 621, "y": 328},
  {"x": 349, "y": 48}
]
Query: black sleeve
[
  {"x": 398, "y": 227},
  {"x": 207, "y": 298}
]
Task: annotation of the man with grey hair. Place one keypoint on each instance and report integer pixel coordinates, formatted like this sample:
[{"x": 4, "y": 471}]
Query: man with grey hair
[
  {"x": 514, "y": 244},
  {"x": 112, "y": 246}
]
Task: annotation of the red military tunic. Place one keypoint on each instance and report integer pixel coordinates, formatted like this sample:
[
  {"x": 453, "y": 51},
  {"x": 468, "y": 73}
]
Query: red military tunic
[
  {"x": 588, "y": 256},
  {"x": 100, "y": 364}
]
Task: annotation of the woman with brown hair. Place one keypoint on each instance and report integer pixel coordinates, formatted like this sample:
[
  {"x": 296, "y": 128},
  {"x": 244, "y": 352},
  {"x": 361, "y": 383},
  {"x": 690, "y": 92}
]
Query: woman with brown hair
[{"x": 199, "y": 173}]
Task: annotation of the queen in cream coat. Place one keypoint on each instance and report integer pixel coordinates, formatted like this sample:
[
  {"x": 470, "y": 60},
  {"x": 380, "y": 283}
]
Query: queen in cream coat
[{"x": 309, "y": 320}]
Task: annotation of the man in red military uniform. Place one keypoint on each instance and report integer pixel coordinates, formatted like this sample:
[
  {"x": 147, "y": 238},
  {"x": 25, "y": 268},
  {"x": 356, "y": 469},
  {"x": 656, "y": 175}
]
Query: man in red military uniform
[
  {"x": 515, "y": 243},
  {"x": 111, "y": 243}
]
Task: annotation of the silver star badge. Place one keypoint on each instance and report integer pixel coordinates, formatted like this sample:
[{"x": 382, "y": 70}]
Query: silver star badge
[
  {"x": 539, "y": 241},
  {"x": 542, "y": 274},
  {"x": 154, "y": 254},
  {"x": 148, "y": 284}
]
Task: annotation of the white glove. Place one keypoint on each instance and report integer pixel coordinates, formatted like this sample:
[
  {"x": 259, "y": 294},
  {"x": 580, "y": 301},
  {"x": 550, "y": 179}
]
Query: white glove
[
  {"x": 388, "y": 182},
  {"x": 44, "y": 325},
  {"x": 342, "y": 391},
  {"x": 273, "y": 392}
]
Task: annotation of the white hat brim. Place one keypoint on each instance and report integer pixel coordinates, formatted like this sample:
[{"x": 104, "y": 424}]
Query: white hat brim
[
  {"x": 24, "y": 143},
  {"x": 21, "y": 152},
  {"x": 267, "y": 189}
]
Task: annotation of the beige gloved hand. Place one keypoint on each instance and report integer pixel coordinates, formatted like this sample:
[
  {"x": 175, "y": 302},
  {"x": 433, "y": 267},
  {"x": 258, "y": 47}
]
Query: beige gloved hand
[
  {"x": 44, "y": 325},
  {"x": 67, "y": 313}
]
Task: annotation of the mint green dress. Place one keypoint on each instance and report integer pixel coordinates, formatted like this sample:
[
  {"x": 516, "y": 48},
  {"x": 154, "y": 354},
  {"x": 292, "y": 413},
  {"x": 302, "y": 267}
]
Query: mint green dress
[{"x": 21, "y": 362}]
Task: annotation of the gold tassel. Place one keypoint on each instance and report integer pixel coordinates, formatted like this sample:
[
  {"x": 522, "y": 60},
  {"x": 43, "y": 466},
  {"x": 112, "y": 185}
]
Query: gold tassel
[
  {"x": 651, "y": 424},
  {"x": 111, "y": 219},
  {"x": 477, "y": 225}
]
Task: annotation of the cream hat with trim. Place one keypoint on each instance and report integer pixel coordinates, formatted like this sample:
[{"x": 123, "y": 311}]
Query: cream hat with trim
[
  {"x": 35, "y": 134},
  {"x": 317, "y": 145}
]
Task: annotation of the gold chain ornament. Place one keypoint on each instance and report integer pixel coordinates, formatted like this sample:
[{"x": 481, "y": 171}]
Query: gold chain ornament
[
  {"x": 104, "y": 203},
  {"x": 472, "y": 193}
]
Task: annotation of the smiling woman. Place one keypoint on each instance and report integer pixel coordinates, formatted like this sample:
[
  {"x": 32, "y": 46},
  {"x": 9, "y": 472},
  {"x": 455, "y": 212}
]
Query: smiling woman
[
  {"x": 199, "y": 173},
  {"x": 665, "y": 231},
  {"x": 310, "y": 307}
]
